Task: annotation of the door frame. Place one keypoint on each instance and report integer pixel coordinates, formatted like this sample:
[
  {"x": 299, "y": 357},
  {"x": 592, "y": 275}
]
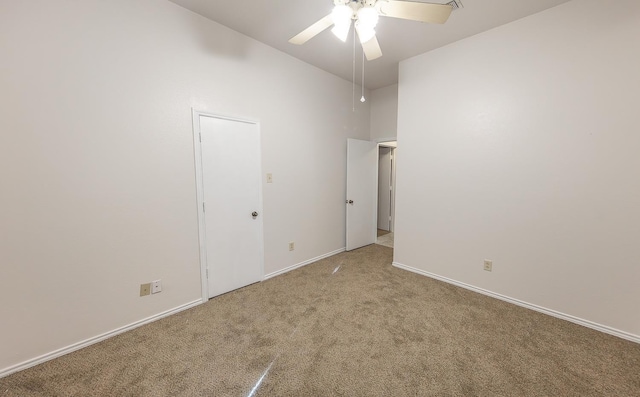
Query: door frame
[
  {"x": 393, "y": 144},
  {"x": 388, "y": 189},
  {"x": 202, "y": 230}
]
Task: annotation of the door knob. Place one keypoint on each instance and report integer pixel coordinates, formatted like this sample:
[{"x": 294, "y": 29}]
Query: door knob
[
  {"x": 254, "y": 214},
  {"x": 349, "y": 201}
]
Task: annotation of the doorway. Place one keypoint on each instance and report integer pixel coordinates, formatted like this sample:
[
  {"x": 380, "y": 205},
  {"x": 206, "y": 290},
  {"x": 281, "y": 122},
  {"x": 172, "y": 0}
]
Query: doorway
[
  {"x": 229, "y": 193},
  {"x": 365, "y": 192},
  {"x": 387, "y": 152}
]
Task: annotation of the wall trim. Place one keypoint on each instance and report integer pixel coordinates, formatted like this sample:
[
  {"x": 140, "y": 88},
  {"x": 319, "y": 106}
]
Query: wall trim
[
  {"x": 99, "y": 338},
  {"x": 307, "y": 262},
  {"x": 563, "y": 316}
]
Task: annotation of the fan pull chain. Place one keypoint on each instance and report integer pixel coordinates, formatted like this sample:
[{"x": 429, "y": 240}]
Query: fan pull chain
[
  {"x": 353, "y": 80},
  {"x": 362, "y": 99}
]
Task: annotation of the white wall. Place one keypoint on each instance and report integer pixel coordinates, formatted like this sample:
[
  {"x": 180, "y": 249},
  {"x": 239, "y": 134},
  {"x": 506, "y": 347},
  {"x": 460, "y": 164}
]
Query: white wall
[
  {"x": 97, "y": 164},
  {"x": 521, "y": 145},
  {"x": 384, "y": 112}
]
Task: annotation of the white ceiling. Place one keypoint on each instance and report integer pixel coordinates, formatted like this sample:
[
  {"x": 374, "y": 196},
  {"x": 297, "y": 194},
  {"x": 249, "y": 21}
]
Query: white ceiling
[{"x": 274, "y": 22}]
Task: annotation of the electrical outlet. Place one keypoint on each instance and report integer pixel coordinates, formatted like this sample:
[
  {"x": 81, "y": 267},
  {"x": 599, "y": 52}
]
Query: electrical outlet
[
  {"x": 145, "y": 289},
  {"x": 292, "y": 246},
  {"x": 269, "y": 178},
  {"x": 156, "y": 286},
  {"x": 488, "y": 265}
]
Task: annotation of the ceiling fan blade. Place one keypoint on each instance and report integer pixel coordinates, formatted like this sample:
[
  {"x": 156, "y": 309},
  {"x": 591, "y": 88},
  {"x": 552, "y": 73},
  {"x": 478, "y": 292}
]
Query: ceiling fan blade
[
  {"x": 372, "y": 49},
  {"x": 421, "y": 12},
  {"x": 312, "y": 31}
]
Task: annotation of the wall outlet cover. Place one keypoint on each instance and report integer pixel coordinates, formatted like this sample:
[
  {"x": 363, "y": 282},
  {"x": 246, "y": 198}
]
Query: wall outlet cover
[{"x": 156, "y": 286}]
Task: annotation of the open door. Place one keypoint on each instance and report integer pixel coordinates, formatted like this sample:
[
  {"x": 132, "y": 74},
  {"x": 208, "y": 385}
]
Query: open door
[{"x": 362, "y": 192}]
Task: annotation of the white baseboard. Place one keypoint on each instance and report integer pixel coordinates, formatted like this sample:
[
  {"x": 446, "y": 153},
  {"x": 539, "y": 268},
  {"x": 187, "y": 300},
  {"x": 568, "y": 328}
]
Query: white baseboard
[
  {"x": 586, "y": 323},
  {"x": 87, "y": 342},
  {"x": 297, "y": 265},
  {"x": 77, "y": 346}
]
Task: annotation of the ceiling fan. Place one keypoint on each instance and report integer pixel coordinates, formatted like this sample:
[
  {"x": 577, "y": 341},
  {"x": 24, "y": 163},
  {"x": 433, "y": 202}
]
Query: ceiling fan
[{"x": 365, "y": 13}]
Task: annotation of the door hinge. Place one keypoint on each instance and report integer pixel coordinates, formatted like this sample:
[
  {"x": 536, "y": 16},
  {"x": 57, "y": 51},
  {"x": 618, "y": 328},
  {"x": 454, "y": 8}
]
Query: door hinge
[
  {"x": 207, "y": 270},
  {"x": 203, "y": 210},
  {"x": 200, "y": 137}
]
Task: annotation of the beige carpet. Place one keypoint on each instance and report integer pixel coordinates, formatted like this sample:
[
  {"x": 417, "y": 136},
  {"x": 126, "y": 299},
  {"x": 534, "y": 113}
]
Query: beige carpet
[{"x": 349, "y": 325}]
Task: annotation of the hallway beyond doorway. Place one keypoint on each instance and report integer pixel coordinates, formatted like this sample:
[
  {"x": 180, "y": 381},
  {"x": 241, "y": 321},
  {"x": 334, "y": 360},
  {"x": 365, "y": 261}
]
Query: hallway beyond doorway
[{"x": 385, "y": 238}]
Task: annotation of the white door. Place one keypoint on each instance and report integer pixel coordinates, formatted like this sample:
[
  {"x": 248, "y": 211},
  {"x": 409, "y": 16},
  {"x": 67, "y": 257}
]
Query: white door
[
  {"x": 384, "y": 188},
  {"x": 231, "y": 203},
  {"x": 362, "y": 191}
]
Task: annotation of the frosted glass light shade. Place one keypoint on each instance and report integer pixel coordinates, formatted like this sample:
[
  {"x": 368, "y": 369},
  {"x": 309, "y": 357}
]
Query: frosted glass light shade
[
  {"x": 366, "y": 23},
  {"x": 341, "y": 16},
  {"x": 368, "y": 17},
  {"x": 341, "y": 32},
  {"x": 364, "y": 33}
]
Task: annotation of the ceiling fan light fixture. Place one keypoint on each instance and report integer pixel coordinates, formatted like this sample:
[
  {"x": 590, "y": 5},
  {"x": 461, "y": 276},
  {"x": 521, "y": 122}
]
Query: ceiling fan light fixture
[
  {"x": 341, "y": 32},
  {"x": 366, "y": 23},
  {"x": 341, "y": 17},
  {"x": 365, "y": 14},
  {"x": 368, "y": 17},
  {"x": 365, "y": 33}
]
